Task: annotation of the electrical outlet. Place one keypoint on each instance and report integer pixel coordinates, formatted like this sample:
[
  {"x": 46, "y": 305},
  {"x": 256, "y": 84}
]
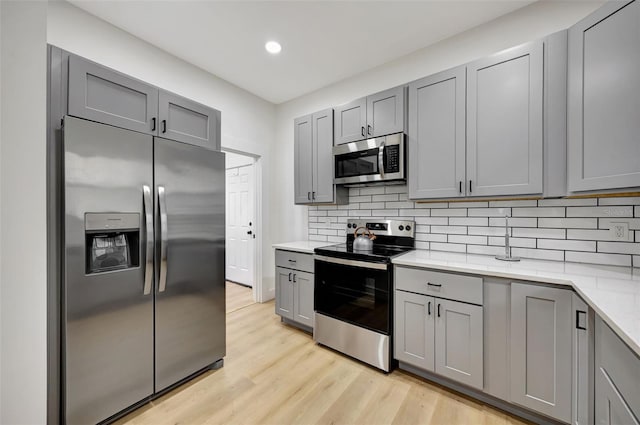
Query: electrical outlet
[{"x": 619, "y": 231}]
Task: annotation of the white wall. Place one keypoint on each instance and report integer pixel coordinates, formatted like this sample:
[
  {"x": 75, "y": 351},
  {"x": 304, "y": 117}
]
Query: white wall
[
  {"x": 247, "y": 120},
  {"x": 23, "y": 288},
  {"x": 526, "y": 24}
]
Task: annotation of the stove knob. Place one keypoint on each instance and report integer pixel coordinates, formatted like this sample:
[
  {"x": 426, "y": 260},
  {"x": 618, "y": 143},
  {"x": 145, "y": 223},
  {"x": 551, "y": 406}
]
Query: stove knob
[
  {"x": 407, "y": 228},
  {"x": 401, "y": 227}
]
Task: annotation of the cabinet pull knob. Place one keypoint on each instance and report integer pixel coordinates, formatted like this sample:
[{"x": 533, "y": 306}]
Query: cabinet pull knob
[
  {"x": 153, "y": 124},
  {"x": 362, "y": 131},
  {"x": 294, "y": 278},
  {"x": 308, "y": 196},
  {"x": 164, "y": 126},
  {"x": 437, "y": 285},
  {"x": 369, "y": 130},
  {"x": 439, "y": 309},
  {"x": 289, "y": 277},
  {"x": 313, "y": 195},
  {"x": 292, "y": 261},
  {"x": 579, "y": 322},
  {"x": 470, "y": 186},
  {"x": 460, "y": 186},
  {"x": 429, "y": 308}
]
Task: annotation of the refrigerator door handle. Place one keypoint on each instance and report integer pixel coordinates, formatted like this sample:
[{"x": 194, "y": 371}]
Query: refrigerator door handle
[
  {"x": 148, "y": 215},
  {"x": 163, "y": 239}
]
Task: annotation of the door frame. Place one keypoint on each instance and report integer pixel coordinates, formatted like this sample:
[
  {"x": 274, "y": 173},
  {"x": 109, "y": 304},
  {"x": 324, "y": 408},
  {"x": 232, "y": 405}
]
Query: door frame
[{"x": 258, "y": 287}]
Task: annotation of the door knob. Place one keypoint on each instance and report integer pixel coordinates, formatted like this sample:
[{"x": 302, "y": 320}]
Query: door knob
[{"x": 249, "y": 232}]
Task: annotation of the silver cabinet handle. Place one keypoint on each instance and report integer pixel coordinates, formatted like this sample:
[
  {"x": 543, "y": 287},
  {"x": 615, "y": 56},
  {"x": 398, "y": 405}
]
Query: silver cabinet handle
[
  {"x": 148, "y": 224},
  {"x": 381, "y": 159},
  {"x": 162, "y": 204}
]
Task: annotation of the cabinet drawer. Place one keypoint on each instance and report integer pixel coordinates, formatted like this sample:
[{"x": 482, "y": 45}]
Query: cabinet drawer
[
  {"x": 444, "y": 285},
  {"x": 294, "y": 260}
]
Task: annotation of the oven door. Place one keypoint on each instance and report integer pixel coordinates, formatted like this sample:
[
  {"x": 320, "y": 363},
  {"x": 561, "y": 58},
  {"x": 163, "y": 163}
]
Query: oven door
[{"x": 356, "y": 292}]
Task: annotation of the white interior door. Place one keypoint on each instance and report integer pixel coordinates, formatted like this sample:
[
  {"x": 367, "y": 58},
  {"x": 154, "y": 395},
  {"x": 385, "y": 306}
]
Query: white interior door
[{"x": 240, "y": 224}]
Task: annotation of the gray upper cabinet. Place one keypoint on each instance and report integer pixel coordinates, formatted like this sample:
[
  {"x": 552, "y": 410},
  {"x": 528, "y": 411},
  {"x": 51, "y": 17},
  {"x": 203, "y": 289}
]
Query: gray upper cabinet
[
  {"x": 100, "y": 94},
  {"x": 603, "y": 106},
  {"x": 541, "y": 347},
  {"x": 385, "y": 112},
  {"x": 351, "y": 121},
  {"x": 504, "y": 122},
  {"x": 303, "y": 159},
  {"x": 414, "y": 332},
  {"x": 436, "y": 135},
  {"x": 372, "y": 116},
  {"x": 459, "y": 342},
  {"x": 313, "y": 160},
  {"x": 187, "y": 121}
]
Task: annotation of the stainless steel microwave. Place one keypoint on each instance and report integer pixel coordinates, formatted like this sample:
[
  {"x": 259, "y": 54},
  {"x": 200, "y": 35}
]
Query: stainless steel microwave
[{"x": 371, "y": 160}]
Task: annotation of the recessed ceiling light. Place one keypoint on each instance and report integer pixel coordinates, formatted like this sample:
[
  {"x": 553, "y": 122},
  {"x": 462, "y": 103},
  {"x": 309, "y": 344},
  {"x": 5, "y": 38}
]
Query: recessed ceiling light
[{"x": 273, "y": 47}]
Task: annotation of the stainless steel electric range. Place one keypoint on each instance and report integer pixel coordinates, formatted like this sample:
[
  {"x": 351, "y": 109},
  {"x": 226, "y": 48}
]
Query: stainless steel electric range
[{"x": 354, "y": 291}]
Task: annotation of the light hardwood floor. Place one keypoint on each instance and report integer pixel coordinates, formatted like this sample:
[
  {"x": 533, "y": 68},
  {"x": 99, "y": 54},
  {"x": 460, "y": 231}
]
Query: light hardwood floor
[
  {"x": 238, "y": 296},
  {"x": 275, "y": 374}
]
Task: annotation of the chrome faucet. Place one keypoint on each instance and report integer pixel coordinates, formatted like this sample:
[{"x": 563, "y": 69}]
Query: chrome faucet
[{"x": 507, "y": 248}]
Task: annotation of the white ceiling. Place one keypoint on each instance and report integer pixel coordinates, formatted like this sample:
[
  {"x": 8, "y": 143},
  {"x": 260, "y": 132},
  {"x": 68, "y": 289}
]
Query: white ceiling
[{"x": 322, "y": 41}]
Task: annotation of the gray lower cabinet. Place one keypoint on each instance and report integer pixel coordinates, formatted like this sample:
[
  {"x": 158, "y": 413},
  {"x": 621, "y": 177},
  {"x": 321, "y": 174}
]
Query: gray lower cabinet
[
  {"x": 103, "y": 95},
  {"x": 313, "y": 160},
  {"x": 295, "y": 287},
  {"x": 617, "y": 384},
  {"x": 435, "y": 334},
  {"x": 505, "y": 122},
  {"x": 436, "y": 135},
  {"x": 540, "y": 349},
  {"x": 603, "y": 107},
  {"x": 376, "y": 115},
  {"x": 187, "y": 121}
]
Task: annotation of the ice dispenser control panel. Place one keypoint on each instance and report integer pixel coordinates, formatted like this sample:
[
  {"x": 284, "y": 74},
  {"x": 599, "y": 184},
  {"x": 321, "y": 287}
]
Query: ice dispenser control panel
[{"x": 112, "y": 241}]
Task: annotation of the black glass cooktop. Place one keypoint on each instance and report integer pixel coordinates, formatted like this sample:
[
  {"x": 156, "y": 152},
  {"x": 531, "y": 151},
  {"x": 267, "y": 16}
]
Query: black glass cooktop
[{"x": 379, "y": 254}]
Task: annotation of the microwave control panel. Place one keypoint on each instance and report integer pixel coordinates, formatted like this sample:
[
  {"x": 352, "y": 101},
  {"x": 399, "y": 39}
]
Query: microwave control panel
[{"x": 392, "y": 159}]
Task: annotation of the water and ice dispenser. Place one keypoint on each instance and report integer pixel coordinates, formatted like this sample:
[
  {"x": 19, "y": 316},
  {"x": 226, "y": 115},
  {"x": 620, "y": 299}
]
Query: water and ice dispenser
[{"x": 112, "y": 241}]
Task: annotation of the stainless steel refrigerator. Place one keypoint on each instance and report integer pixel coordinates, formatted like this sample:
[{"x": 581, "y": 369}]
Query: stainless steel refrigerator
[{"x": 143, "y": 295}]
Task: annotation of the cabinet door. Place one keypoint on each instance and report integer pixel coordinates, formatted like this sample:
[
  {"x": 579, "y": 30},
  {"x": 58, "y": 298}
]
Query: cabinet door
[
  {"x": 414, "y": 330},
  {"x": 284, "y": 292},
  {"x": 541, "y": 349},
  {"x": 603, "y": 107},
  {"x": 100, "y": 94},
  {"x": 323, "y": 187},
  {"x": 385, "y": 112},
  {"x": 351, "y": 121},
  {"x": 189, "y": 122},
  {"x": 459, "y": 342},
  {"x": 583, "y": 364},
  {"x": 504, "y": 123},
  {"x": 437, "y": 135},
  {"x": 303, "y": 298},
  {"x": 611, "y": 408},
  {"x": 303, "y": 159}
]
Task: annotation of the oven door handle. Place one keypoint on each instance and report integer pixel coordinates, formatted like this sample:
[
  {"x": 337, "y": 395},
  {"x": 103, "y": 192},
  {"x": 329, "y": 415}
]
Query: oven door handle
[
  {"x": 354, "y": 263},
  {"x": 381, "y": 159}
]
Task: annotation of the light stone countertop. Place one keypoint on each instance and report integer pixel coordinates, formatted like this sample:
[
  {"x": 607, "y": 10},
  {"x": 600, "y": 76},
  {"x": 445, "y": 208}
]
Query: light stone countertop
[
  {"x": 306, "y": 247},
  {"x": 613, "y": 292}
]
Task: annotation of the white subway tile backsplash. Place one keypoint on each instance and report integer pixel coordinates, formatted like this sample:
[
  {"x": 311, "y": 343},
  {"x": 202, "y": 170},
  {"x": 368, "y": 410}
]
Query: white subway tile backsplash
[
  {"x": 457, "y": 230},
  {"x": 517, "y": 242},
  {"x": 469, "y": 221},
  {"x": 470, "y": 240},
  {"x": 538, "y": 254},
  {"x": 586, "y": 202},
  {"x": 448, "y": 212},
  {"x": 551, "y": 229},
  {"x": 539, "y": 212},
  {"x": 597, "y": 258},
  {"x": 539, "y": 233},
  {"x": 450, "y": 247},
  {"x": 567, "y": 245},
  {"x": 611, "y": 211},
  {"x": 630, "y": 200},
  {"x": 569, "y": 223},
  {"x": 619, "y": 247}
]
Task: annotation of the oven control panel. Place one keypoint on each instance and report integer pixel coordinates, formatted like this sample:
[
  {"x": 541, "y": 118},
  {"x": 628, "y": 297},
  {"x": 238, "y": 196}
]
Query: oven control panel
[{"x": 404, "y": 228}]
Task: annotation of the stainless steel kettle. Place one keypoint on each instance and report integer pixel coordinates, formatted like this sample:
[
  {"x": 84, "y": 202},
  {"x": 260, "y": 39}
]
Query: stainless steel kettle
[{"x": 362, "y": 242}]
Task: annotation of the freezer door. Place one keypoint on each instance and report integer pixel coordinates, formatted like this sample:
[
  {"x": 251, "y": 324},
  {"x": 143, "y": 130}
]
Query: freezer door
[
  {"x": 108, "y": 317},
  {"x": 190, "y": 297}
]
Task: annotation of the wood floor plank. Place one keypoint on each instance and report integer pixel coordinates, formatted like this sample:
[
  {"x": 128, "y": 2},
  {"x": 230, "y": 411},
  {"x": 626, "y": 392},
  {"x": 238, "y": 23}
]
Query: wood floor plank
[{"x": 275, "y": 374}]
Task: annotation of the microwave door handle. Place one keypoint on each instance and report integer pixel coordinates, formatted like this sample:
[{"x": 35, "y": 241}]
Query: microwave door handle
[
  {"x": 162, "y": 204},
  {"x": 148, "y": 224},
  {"x": 381, "y": 159}
]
